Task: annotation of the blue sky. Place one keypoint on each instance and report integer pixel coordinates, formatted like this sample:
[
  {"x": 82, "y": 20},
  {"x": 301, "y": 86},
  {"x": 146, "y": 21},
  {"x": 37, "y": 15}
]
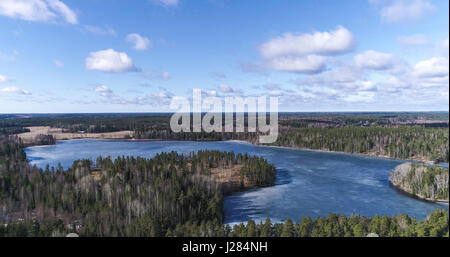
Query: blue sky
[{"x": 134, "y": 56}]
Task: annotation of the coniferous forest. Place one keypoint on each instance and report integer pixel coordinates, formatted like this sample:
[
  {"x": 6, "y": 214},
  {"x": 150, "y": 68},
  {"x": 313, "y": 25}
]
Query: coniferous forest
[
  {"x": 413, "y": 136},
  {"x": 122, "y": 197},
  {"x": 402, "y": 142},
  {"x": 167, "y": 195},
  {"x": 182, "y": 195},
  {"x": 422, "y": 181}
]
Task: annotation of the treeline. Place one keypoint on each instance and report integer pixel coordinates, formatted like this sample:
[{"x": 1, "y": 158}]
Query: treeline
[
  {"x": 12, "y": 155},
  {"x": 402, "y": 142},
  {"x": 90, "y": 123},
  {"x": 125, "y": 197},
  {"x": 101, "y": 123},
  {"x": 168, "y": 134},
  {"x": 43, "y": 140},
  {"x": 12, "y": 130},
  {"x": 435, "y": 225},
  {"x": 257, "y": 172},
  {"x": 397, "y": 135},
  {"x": 426, "y": 182}
]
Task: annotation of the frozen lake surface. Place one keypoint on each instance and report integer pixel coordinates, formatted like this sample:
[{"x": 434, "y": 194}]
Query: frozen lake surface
[{"x": 309, "y": 183}]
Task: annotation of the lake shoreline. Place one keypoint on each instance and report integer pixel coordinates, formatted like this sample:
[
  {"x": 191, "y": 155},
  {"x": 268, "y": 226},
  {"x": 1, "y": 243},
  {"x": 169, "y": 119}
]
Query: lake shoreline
[
  {"x": 421, "y": 160},
  {"x": 351, "y": 183},
  {"x": 403, "y": 191},
  {"x": 337, "y": 152},
  {"x": 58, "y": 135}
]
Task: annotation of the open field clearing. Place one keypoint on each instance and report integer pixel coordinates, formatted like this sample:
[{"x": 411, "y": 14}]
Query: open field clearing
[{"x": 58, "y": 134}]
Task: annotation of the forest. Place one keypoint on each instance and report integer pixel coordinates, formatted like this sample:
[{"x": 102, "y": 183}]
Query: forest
[
  {"x": 412, "y": 136},
  {"x": 182, "y": 195},
  {"x": 431, "y": 144},
  {"x": 422, "y": 181},
  {"x": 435, "y": 225},
  {"x": 123, "y": 197}
]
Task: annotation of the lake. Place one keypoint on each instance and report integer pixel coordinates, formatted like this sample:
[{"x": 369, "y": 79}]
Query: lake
[{"x": 309, "y": 183}]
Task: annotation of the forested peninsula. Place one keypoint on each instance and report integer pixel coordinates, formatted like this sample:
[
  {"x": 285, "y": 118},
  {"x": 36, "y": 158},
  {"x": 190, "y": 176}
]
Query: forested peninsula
[
  {"x": 422, "y": 181},
  {"x": 123, "y": 197}
]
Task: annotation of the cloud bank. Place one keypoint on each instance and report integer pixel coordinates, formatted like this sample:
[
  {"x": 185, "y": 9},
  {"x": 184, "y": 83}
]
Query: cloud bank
[
  {"x": 394, "y": 11},
  {"x": 14, "y": 90},
  {"x": 306, "y": 53},
  {"x": 38, "y": 10}
]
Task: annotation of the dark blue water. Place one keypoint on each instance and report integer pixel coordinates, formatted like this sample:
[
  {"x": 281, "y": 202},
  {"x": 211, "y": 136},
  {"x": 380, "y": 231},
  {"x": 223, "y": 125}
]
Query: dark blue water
[{"x": 309, "y": 183}]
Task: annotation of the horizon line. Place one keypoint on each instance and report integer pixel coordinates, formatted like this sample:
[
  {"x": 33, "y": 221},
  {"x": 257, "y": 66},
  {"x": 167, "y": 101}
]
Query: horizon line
[{"x": 166, "y": 112}]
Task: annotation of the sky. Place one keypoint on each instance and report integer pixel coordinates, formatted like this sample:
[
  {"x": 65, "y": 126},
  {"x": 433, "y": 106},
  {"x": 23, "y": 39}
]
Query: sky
[{"x": 91, "y": 56}]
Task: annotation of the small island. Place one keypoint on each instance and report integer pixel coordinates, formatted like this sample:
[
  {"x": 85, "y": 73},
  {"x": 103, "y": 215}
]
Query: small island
[{"x": 422, "y": 181}]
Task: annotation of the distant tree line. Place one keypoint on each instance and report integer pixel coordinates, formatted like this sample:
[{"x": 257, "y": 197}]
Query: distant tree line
[
  {"x": 401, "y": 142},
  {"x": 395, "y": 135}
]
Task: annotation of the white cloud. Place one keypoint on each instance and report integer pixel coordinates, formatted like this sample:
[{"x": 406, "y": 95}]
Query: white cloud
[
  {"x": 366, "y": 85},
  {"x": 209, "y": 93},
  {"x": 104, "y": 91},
  {"x": 413, "y": 40},
  {"x": 156, "y": 74},
  {"x": 319, "y": 43},
  {"x": 343, "y": 75},
  {"x": 444, "y": 43},
  {"x": 62, "y": 9},
  {"x": 38, "y": 10},
  {"x": 439, "y": 82},
  {"x": 228, "y": 90},
  {"x": 309, "y": 64},
  {"x": 323, "y": 91},
  {"x": 394, "y": 84},
  {"x": 317, "y": 93},
  {"x": 58, "y": 63},
  {"x": 104, "y": 31},
  {"x": 360, "y": 97},
  {"x": 2, "y": 78},
  {"x": 109, "y": 61},
  {"x": 275, "y": 93},
  {"x": 219, "y": 75},
  {"x": 14, "y": 90},
  {"x": 442, "y": 48},
  {"x": 159, "y": 99},
  {"x": 346, "y": 80},
  {"x": 165, "y": 75},
  {"x": 253, "y": 68},
  {"x": 139, "y": 42},
  {"x": 434, "y": 67},
  {"x": 167, "y": 3},
  {"x": 272, "y": 86},
  {"x": 423, "y": 86},
  {"x": 9, "y": 57},
  {"x": 305, "y": 53},
  {"x": 403, "y": 10},
  {"x": 357, "y": 85},
  {"x": 374, "y": 60}
]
